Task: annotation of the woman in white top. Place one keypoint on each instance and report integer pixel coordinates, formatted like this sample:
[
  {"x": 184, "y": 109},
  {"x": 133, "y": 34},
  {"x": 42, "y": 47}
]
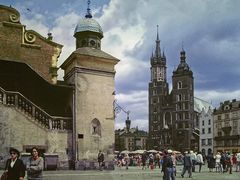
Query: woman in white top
[
  {"x": 218, "y": 164},
  {"x": 200, "y": 160}
]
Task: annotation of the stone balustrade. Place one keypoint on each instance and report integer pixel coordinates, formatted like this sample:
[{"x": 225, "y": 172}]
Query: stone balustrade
[{"x": 17, "y": 100}]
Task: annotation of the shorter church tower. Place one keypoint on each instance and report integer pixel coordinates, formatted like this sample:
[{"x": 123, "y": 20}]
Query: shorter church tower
[{"x": 183, "y": 103}]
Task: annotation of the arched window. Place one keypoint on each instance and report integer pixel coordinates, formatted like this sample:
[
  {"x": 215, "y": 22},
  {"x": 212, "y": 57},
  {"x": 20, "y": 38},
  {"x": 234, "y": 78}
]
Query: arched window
[
  {"x": 179, "y": 85},
  {"x": 96, "y": 127}
]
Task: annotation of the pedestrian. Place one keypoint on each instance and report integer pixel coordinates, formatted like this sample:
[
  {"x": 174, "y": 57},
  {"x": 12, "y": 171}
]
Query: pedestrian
[
  {"x": 144, "y": 159},
  {"x": 157, "y": 160},
  {"x": 199, "y": 160},
  {"x": 194, "y": 160},
  {"x": 35, "y": 165},
  {"x": 167, "y": 167},
  {"x": 238, "y": 162},
  {"x": 223, "y": 161},
  {"x": 234, "y": 160},
  {"x": 151, "y": 161},
  {"x": 187, "y": 164},
  {"x": 126, "y": 159},
  {"x": 211, "y": 162},
  {"x": 14, "y": 167},
  {"x": 229, "y": 163},
  {"x": 219, "y": 167},
  {"x": 100, "y": 160}
]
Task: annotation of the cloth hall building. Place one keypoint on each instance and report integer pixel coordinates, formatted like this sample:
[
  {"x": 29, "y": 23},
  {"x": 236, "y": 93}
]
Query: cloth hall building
[{"x": 73, "y": 118}]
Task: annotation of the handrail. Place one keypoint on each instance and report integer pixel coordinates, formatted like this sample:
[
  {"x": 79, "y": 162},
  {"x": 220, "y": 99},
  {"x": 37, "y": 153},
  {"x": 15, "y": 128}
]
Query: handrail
[{"x": 19, "y": 101}]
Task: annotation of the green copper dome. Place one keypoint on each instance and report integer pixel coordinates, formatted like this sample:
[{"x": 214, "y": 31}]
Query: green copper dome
[{"x": 88, "y": 24}]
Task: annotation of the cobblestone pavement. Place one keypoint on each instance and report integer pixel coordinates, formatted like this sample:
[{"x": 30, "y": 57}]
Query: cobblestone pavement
[{"x": 134, "y": 173}]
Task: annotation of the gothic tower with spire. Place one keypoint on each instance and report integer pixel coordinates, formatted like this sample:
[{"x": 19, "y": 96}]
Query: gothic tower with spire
[{"x": 159, "y": 116}]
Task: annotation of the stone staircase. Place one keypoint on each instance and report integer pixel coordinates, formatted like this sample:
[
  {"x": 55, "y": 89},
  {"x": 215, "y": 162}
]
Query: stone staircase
[{"x": 24, "y": 105}]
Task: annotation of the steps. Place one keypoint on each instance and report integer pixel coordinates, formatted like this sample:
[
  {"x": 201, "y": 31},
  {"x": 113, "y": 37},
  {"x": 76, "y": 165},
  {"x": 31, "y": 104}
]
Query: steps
[{"x": 21, "y": 103}]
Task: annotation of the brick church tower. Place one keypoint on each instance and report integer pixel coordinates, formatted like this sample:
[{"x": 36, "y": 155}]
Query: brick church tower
[
  {"x": 183, "y": 103},
  {"x": 170, "y": 114}
]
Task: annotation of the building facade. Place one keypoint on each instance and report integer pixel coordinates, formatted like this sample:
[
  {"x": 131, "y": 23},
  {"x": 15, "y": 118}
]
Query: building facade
[
  {"x": 130, "y": 139},
  {"x": 204, "y": 123},
  {"x": 171, "y": 114},
  {"x": 73, "y": 118},
  {"x": 227, "y": 127}
]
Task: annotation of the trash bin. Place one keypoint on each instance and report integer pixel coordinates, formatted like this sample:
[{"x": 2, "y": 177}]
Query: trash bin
[
  {"x": 25, "y": 158},
  {"x": 50, "y": 161}
]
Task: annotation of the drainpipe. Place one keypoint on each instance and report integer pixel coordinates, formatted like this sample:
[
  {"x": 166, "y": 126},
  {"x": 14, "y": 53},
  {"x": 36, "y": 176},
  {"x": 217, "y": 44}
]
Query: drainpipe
[{"x": 74, "y": 135}]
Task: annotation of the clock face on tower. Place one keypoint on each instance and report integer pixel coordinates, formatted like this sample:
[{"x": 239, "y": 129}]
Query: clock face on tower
[{"x": 160, "y": 74}]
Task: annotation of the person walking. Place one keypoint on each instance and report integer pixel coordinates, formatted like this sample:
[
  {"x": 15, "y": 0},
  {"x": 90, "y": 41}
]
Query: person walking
[
  {"x": 211, "y": 162},
  {"x": 194, "y": 160},
  {"x": 14, "y": 168},
  {"x": 167, "y": 166},
  {"x": 100, "y": 160},
  {"x": 187, "y": 164},
  {"x": 219, "y": 167},
  {"x": 229, "y": 163},
  {"x": 157, "y": 160},
  {"x": 126, "y": 159},
  {"x": 199, "y": 160},
  {"x": 238, "y": 162},
  {"x": 35, "y": 165},
  {"x": 144, "y": 159},
  {"x": 151, "y": 161}
]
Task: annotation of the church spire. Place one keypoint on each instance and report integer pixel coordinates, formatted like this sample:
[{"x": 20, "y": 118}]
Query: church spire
[
  {"x": 88, "y": 15},
  {"x": 157, "y": 50},
  {"x": 182, "y": 55}
]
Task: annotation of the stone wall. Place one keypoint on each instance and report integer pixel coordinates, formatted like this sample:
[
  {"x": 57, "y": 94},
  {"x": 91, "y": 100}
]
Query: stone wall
[{"x": 19, "y": 131}]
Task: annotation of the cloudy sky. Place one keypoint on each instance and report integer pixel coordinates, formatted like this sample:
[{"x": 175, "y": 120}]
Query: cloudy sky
[{"x": 208, "y": 29}]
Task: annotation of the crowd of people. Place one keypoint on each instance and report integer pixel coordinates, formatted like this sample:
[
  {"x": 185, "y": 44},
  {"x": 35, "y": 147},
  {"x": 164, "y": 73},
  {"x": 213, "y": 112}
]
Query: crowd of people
[
  {"x": 191, "y": 161},
  {"x": 166, "y": 161}
]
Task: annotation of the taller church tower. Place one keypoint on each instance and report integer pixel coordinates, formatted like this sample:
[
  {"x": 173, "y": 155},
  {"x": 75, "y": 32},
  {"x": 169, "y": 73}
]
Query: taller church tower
[
  {"x": 159, "y": 114},
  {"x": 92, "y": 73}
]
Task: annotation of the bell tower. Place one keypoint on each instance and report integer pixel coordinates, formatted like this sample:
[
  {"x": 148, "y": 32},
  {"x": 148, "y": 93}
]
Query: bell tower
[
  {"x": 91, "y": 71},
  {"x": 158, "y": 97},
  {"x": 183, "y": 99}
]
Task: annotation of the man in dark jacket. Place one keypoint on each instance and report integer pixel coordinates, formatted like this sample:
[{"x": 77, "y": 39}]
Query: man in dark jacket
[
  {"x": 100, "y": 160},
  {"x": 167, "y": 167},
  {"x": 14, "y": 166},
  {"x": 187, "y": 164}
]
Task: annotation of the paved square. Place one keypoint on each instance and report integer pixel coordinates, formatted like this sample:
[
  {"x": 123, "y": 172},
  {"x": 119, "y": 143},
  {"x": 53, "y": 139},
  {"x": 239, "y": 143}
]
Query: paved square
[{"x": 135, "y": 173}]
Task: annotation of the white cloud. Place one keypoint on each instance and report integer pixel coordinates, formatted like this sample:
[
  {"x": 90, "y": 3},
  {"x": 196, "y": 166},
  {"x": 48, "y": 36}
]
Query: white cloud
[{"x": 217, "y": 96}]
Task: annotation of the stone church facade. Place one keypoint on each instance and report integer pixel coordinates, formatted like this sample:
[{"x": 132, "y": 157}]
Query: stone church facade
[
  {"x": 73, "y": 118},
  {"x": 171, "y": 114}
]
